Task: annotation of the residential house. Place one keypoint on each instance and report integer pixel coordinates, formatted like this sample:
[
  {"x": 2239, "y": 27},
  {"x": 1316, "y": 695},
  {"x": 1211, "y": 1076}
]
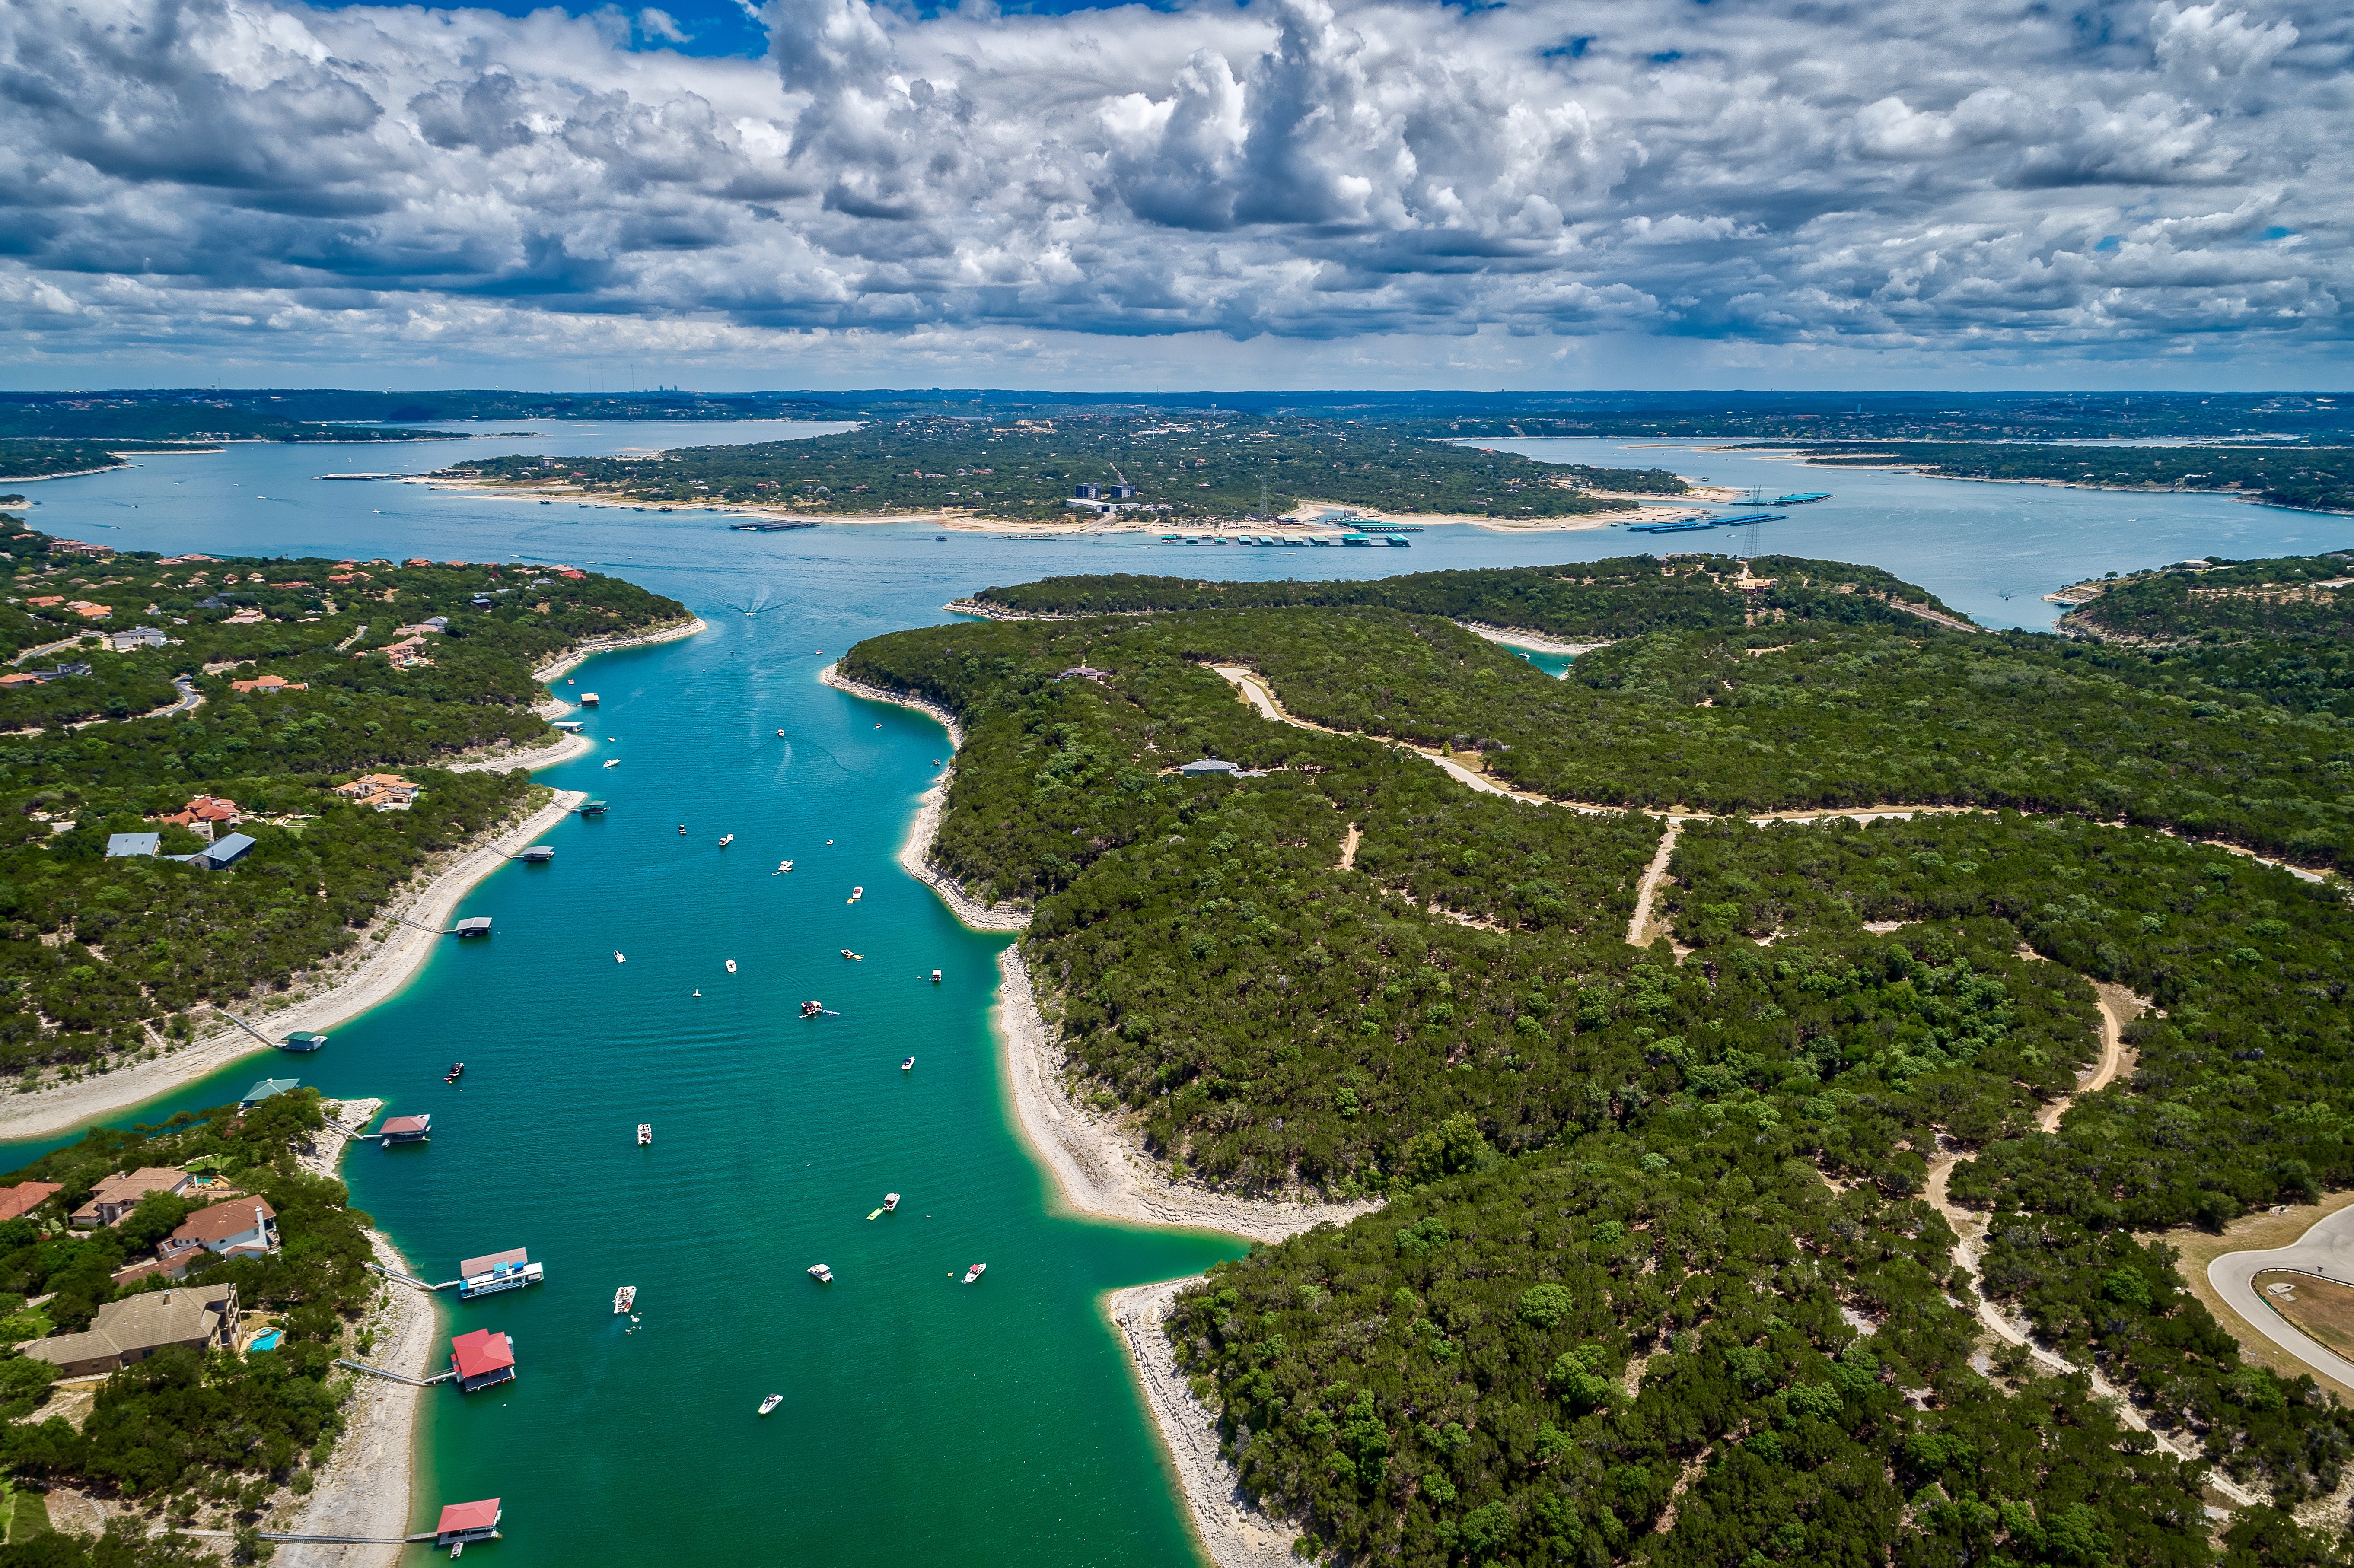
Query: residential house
[
  {"x": 130, "y": 1330},
  {"x": 76, "y": 547},
  {"x": 268, "y": 1088},
  {"x": 115, "y": 1196},
  {"x": 385, "y": 792},
  {"x": 241, "y": 1227},
  {"x": 1206, "y": 766},
  {"x": 22, "y": 1199},
  {"x": 137, "y": 637},
  {"x": 203, "y": 812},
  {"x": 248, "y": 616},
  {"x": 90, "y": 611},
  {"x": 171, "y": 1259},
  {"x": 124, "y": 845},
  {"x": 270, "y": 684},
  {"x": 225, "y": 852}
]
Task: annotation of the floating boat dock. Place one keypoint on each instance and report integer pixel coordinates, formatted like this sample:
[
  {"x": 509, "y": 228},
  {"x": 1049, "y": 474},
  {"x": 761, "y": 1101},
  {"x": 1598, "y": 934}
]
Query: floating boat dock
[
  {"x": 1811, "y": 495},
  {"x": 766, "y": 528},
  {"x": 1702, "y": 524}
]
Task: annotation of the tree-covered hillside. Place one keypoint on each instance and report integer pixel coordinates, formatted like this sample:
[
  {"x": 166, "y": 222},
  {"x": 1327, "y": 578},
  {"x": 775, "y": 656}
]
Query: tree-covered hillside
[
  {"x": 1658, "y": 1279},
  {"x": 2318, "y": 477},
  {"x": 1626, "y": 596}
]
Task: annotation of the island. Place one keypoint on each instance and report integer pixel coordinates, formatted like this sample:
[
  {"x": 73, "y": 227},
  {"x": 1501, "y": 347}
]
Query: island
[{"x": 1765, "y": 1067}]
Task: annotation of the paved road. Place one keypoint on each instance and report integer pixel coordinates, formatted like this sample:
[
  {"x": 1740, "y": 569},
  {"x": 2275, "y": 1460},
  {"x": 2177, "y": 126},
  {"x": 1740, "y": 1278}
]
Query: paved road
[{"x": 2327, "y": 1250}]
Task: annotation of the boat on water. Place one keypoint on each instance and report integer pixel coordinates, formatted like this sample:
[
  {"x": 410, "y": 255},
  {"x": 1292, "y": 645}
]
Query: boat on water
[
  {"x": 820, "y": 1273},
  {"x": 856, "y": 894},
  {"x": 726, "y": 839},
  {"x": 619, "y": 957},
  {"x": 854, "y": 957},
  {"x": 645, "y": 1133},
  {"x": 624, "y": 1298},
  {"x": 784, "y": 865},
  {"x": 975, "y": 1272},
  {"x": 731, "y": 966},
  {"x": 890, "y": 1201},
  {"x": 908, "y": 1065},
  {"x": 780, "y": 734},
  {"x": 612, "y": 762},
  {"x": 457, "y": 1071},
  {"x": 936, "y": 977},
  {"x": 771, "y": 1402},
  {"x": 811, "y": 1009},
  {"x": 681, "y": 830}
]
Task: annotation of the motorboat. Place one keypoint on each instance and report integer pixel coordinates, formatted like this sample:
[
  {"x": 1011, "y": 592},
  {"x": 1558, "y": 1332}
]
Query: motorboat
[
  {"x": 812, "y": 1009},
  {"x": 624, "y": 1298},
  {"x": 975, "y": 1272},
  {"x": 820, "y": 1273},
  {"x": 854, "y": 957},
  {"x": 890, "y": 1201},
  {"x": 936, "y": 977},
  {"x": 619, "y": 957},
  {"x": 612, "y": 762},
  {"x": 731, "y": 966},
  {"x": 681, "y": 830},
  {"x": 784, "y": 865},
  {"x": 771, "y": 1402},
  {"x": 457, "y": 1071},
  {"x": 856, "y": 894},
  {"x": 907, "y": 1066},
  {"x": 726, "y": 839},
  {"x": 645, "y": 1133}
]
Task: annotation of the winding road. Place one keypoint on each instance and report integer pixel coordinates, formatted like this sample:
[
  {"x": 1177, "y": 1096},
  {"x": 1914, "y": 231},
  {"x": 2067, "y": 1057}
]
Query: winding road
[{"x": 2325, "y": 1252}]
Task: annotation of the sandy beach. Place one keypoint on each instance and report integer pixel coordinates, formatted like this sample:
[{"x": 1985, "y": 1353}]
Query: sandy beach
[
  {"x": 387, "y": 955},
  {"x": 1101, "y": 1170}
]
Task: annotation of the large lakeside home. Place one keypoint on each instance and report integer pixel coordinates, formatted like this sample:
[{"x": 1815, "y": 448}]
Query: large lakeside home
[
  {"x": 111, "y": 1201},
  {"x": 128, "y": 1331}
]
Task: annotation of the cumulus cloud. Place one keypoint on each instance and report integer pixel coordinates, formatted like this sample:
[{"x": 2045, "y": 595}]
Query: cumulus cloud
[{"x": 1936, "y": 180}]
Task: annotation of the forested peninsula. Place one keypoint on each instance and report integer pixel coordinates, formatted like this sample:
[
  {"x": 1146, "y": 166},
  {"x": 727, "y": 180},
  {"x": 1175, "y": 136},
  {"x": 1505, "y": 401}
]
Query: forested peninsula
[
  {"x": 2308, "y": 478},
  {"x": 1669, "y": 1267},
  {"x": 194, "y": 697},
  {"x": 1205, "y": 463}
]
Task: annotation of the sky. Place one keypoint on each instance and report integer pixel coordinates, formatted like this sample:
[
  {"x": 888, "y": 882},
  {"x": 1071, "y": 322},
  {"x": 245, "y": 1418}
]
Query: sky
[{"x": 1202, "y": 194}]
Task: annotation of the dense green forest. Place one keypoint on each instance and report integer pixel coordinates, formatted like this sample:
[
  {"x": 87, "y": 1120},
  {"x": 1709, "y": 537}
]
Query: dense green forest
[
  {"x": 1202, "y": 466},
  {"x": 1584, "y": 601},
  {"x": 2297, "y": 597},
  {"x": 102, "y": 958},
  {"x": 218, "y": 1436},
  {"x": 2316, "y": 479},
  {"x": 1656, "y": 1279}
]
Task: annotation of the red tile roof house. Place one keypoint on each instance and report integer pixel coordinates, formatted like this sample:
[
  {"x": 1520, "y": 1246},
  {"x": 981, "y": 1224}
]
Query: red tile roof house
[
  {"x": 25, "y": 1197},
  {"x": 115, "y": 1196},
  {"x": 462, "y": 1522},
  {"x": 482, "y": 1359},
  {"x": 242, "y": 1227}
]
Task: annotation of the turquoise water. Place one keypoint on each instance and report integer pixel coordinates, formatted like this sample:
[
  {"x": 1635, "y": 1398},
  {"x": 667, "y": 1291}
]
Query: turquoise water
[{"x": 923, "y": 1420}]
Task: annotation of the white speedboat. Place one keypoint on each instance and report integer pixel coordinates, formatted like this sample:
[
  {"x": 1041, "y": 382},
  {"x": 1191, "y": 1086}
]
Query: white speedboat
[
  {"x": 822, "y": 1274},
  {"x": 975, "y": 1272},
  {"x": 784, "y": 865},
  {"x": 619, "y": 957},
  {"x": 890, "y": 1201},
  {"x": 624, "y": 1298},
  {"x": 726, "y": 839},
  {"x": 645, "y": 1133},
  {"x": 771, "y": 1402},
  {"x": 612, "y": 762},
  {"x": 731, "y": 966}
]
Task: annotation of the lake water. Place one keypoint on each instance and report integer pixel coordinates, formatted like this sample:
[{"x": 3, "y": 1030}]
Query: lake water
[{"x": 923, "y": 1420}]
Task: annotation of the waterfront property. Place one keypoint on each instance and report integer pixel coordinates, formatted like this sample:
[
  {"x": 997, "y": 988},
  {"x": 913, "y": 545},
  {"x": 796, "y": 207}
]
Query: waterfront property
[
  {"x": 111, "y": 1201},
  {"x": 130, "y": 1330},
  {"x": 473, "y": 925},
  {"x": 268, "y": 1088},
  {"x": 404, "y": 1129},
  {"x": 482, "y": 1359},
  {"x": 241, "y": 1227},
  {"x": 465, "y": 1522}
]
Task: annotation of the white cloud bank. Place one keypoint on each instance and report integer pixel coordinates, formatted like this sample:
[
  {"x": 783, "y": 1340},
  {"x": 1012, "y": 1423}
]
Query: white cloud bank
[{"x": 184, "y": 178}]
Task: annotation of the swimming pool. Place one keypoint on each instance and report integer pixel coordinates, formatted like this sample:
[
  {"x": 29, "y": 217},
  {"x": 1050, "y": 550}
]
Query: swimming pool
[{"x": 266, "y": 1340}]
